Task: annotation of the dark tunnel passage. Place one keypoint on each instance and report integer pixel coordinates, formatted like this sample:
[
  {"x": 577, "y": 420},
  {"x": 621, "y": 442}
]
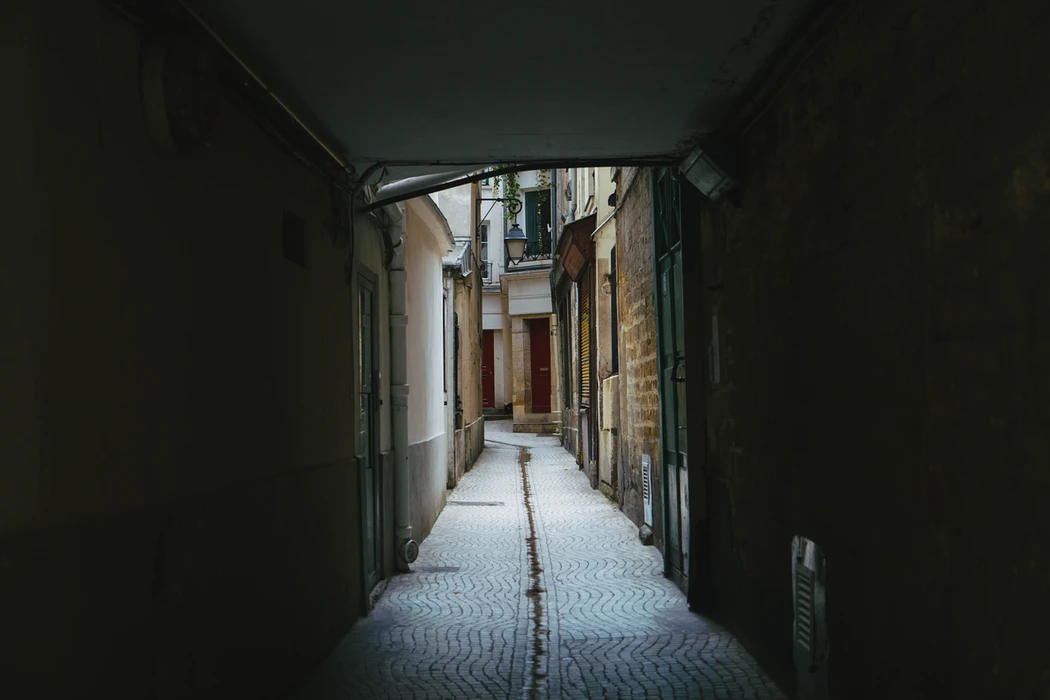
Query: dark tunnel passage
[{"x": 346, "y": 355}]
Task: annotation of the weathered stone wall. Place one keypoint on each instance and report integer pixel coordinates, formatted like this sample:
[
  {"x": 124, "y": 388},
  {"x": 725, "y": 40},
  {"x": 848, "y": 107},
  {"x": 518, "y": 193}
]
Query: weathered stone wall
[
  {"x": 880, "y": 281},
  {"x": 639, "y": 400}
]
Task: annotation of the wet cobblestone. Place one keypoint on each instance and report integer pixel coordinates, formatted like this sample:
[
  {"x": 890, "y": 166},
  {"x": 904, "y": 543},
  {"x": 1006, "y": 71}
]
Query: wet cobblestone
[{"x": 459, "y": 625}]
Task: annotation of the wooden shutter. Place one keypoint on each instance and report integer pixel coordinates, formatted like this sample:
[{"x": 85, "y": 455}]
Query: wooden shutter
[
  {"x": 532, "y": 222},
  {"x": 585, "y": 338}
]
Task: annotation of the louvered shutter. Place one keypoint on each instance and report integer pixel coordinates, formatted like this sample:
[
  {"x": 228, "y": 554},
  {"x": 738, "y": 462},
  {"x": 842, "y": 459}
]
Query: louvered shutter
[{"x": 585, "y": 339}]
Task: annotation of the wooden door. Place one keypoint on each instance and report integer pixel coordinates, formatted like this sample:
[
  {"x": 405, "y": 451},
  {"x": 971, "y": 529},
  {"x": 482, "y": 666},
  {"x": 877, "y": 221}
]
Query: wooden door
[
  {"x": 488, "y": 370},
  {"x": 540, "y": 351}
]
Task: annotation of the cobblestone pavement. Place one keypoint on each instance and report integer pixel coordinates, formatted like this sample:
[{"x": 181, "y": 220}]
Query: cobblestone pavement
[{"x": 567, "y": 603}]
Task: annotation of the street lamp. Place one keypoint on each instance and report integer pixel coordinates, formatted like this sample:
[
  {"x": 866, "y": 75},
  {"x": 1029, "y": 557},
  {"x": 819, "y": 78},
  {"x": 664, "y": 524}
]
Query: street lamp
[{"x": 515, "y": 243}]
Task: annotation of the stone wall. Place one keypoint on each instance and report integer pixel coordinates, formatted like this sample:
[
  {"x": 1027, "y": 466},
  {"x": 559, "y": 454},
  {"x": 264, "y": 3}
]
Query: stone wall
[
  {"x": 639, "y": 399},
  {"x": 879, "y": 277}
]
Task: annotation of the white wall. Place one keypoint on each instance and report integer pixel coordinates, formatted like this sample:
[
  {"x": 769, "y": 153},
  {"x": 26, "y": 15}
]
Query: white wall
[
  {"x": 529, "y": 297},
  {"x": 425, "y": 356},
  {"x": 455, "y": 205},
  {"x": 494, "y": 310},
  {"x": 492, "y": 213},
  {"x": 498, "y": 225}
]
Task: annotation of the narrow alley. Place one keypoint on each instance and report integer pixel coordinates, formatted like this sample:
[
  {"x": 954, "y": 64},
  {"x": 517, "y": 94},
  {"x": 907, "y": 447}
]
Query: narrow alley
[
  {"x": 468, "y": 622},
  {"x": 525, "y": 350}
]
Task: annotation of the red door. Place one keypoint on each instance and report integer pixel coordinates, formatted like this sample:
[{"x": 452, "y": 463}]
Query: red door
[
  {"x": 540, "y": 350},
  {"x": 488, "y": 375}
]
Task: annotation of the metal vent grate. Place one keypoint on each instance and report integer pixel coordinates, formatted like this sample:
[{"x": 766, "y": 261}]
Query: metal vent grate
[
  {"x": 804, "y": 606},
  {"x": 647, "y": 489}
]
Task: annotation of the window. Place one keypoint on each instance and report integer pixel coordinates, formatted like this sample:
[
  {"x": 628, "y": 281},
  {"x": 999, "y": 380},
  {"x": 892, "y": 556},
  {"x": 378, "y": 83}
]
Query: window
[
  {"x": 486, "y": 268},
  {"x": 538, "y": 224}
]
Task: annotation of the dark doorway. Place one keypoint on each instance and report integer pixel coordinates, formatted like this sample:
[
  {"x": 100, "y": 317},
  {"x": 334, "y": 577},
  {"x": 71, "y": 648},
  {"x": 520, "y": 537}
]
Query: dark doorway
[
  {"x": 488, "y": 371},
  {"x": 367, "y": 440},
  {"x": 540, "y": 352},
  {"x": 670, "y": 333}
]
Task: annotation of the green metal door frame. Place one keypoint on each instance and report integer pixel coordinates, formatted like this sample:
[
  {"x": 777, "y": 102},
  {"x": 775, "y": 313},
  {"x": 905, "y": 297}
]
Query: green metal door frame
[
  {"x": 659, "y": 375},
  {"x": 365, "y": 280},
  {"x": 677, "y": 570}
]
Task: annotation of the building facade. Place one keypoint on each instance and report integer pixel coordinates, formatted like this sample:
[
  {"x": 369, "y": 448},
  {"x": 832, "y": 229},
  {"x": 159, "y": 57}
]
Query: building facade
[
  {"x": 463, "y": 333},
  {"x": 519, "y": 335},
  {"x": 621, "y": 293}
]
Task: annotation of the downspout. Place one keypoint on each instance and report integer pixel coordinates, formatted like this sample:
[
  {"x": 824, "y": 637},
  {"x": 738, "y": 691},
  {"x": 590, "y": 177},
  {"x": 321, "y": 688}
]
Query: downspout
[{"x": 406, "y": 548}]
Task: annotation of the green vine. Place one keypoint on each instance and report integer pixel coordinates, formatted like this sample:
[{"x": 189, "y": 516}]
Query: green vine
[
  {"x": 543, "y": 179},
  {"x": 507, "y": 186}
]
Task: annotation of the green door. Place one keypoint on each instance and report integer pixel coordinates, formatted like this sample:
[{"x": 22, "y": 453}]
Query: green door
[
  {"x": 367, "y": 438},
  {"x": 670, "y": 307}
]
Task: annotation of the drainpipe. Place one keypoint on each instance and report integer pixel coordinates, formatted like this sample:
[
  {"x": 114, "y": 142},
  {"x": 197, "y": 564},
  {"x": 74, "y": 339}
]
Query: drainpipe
[
  {"x": 410, "y": 184},
  {"x": 406, "y": 548}
]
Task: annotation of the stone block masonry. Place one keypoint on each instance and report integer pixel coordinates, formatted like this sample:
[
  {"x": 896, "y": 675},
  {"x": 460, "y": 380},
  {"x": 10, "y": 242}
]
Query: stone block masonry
[{"x": 639, "y": 399}]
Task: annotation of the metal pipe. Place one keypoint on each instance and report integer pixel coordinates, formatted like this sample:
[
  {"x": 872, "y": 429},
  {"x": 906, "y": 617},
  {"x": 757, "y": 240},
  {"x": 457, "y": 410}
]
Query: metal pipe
[
  {"x": 406, "y": 547},
  {"x": 349, "y": 169},
  {"x": 661, "y": 161},
  {"x": 411, "y": 184}
]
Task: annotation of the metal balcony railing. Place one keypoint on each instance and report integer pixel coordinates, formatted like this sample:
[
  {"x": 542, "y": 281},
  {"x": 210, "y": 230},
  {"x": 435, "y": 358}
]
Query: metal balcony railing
[{"x": 538, "y": 249}]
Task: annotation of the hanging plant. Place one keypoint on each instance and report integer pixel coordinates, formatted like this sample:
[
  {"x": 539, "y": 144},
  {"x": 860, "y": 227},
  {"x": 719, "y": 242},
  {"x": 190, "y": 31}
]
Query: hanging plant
[
  {"x": 543, "y": 179},
  {"x": 507, "y": 186}
]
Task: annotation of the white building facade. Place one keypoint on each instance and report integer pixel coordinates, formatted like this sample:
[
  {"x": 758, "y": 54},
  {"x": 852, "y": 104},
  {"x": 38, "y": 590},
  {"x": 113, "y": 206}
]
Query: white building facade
[{"x": 519, "y": 331}]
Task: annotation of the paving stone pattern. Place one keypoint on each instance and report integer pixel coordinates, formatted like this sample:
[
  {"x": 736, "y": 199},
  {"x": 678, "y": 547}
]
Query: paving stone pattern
[{"x": 606, "y": 624}]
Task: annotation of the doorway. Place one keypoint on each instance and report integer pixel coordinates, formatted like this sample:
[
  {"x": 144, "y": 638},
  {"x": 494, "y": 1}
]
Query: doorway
[
  {"x": 540, "y": 354},
  {"x": 488, "y": 370},
  {"x": 670, "y": 333},
  {"x": 367, "y": 438}
]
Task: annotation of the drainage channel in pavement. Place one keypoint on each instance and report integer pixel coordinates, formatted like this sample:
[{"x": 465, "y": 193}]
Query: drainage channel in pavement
[{"x": 536, "y": 685}]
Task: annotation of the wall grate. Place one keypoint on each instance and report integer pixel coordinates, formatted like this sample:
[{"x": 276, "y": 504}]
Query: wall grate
[
  {"x": 647, "y": 490},
  {"x": 804, "y": 606}
]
